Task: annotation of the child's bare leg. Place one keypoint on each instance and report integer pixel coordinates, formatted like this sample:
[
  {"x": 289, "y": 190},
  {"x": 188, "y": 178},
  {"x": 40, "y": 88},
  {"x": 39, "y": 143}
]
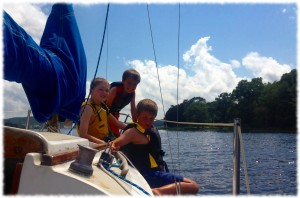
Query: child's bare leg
[{"x": 186, "y": 187}]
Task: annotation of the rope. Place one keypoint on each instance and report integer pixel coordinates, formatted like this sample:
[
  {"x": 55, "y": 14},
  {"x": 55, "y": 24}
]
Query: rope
[
  {"x": 244, "y": 160},
  {"x": 103, "y": 36},
  {"x": 126, "y": 180},
  {"x": 105, "y": 168},
  {"x": 107, "y": 172}
]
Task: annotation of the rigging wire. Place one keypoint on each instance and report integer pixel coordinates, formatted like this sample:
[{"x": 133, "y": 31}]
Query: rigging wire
[
  {"x": 99, "y": 57},
  {"x": 178, "y": 47},
  {"x": 106, "y": 63},
  {"x": 155, "y": 60},
  {"x": 103, "y": 37},
  {"x": 149, "y": 20},
  {"x": 178, "y": 190}
]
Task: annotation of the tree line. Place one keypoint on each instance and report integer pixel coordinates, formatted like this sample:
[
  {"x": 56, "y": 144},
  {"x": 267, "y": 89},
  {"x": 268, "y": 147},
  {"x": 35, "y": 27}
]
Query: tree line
[{"x": 260, "y": 106}]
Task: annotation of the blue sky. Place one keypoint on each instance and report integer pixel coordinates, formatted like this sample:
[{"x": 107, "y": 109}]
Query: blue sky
[
  {"x": 234, "y": 31},
  {"x": 219, "y": 45}
]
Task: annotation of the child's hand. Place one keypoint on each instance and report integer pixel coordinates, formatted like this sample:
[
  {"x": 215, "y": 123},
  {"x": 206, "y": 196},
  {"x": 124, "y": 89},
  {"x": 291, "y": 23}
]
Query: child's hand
[
  {"x": 102, "y": 145},
  {"x": 114, "y": 147}
]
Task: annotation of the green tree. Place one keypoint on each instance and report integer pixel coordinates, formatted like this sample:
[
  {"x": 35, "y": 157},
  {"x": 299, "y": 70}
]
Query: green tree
[
  {"x": 222, "y": 107},
  {"x": 259, "y": 105},
  {"x": 246, "y": 96},
  {"x": 175, "y": 113},
  {"x": 287, "y": 96},
  {"x": 277, "y": 104},
  {"x": 197, "y": 110},
  {"x": 266, "y": 109}
]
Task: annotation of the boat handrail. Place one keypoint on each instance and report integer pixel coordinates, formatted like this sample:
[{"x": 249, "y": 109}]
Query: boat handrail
[
  {"x": 197, "y": 123},
  {"x": 19, "y": 142},
  {"x": 237, "y": 148}
]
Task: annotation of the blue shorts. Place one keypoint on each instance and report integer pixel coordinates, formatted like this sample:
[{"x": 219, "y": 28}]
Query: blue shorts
[{"x": 158, "y": 178}]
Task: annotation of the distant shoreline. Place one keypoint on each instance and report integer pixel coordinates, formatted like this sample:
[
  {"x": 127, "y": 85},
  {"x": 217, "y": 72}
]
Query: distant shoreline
[{"x": 20, "y": 122}]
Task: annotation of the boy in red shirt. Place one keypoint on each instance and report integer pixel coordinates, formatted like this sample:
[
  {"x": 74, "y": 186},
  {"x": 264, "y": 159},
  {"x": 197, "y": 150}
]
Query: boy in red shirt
[{"x": 121, "y": 94}]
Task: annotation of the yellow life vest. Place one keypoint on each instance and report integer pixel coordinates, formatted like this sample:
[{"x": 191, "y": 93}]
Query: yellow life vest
[
  {"x": 99, "y": 126},
  {"x": 153, "y": 163}
]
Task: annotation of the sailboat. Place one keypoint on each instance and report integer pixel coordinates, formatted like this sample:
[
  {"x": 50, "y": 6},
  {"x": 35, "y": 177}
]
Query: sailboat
[{"x": 47, "y": 163}]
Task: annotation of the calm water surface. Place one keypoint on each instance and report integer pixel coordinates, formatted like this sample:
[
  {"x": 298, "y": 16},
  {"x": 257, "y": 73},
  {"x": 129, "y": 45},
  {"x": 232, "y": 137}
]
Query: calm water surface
[{"x": 206, "y": 157}]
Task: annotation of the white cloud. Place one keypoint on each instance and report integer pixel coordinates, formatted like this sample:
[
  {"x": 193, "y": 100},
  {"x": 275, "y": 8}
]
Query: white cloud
[
  {"x": 149, "y": 86},
  {"x": 209, "y": 77},
  {"x": 28, "y": 16},
  {"x": 266, "y": 67},
  {"x": 203, "y": 75},
  {"x": 235, "y": 64},
  {"x": 14, "y": 99}
]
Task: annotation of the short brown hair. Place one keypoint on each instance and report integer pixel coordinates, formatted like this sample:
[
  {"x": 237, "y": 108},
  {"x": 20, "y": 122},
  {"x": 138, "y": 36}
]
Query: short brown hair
[
  {"x": 147, "y": 105},
  {"x": 98, "y": 81},
  {"x": 131, "y": 73}
]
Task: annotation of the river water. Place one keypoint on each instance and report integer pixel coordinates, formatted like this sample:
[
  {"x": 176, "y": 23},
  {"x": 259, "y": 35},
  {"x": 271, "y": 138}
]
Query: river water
[{"x": 206, "y": 157}]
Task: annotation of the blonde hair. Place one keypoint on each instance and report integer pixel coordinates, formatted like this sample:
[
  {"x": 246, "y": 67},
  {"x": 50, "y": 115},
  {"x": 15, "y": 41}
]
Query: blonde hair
[
  {"x": 98, "y": 81},
  {"x": 147, "y": 105}
]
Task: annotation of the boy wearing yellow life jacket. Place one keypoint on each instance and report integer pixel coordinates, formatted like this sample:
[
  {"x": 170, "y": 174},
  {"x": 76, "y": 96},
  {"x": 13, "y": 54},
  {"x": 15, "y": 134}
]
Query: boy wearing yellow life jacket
[{"x": 137, "y": 144}]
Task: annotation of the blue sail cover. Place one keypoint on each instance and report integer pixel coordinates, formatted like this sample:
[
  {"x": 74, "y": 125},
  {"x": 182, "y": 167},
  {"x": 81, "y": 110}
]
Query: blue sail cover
[{"x": 53, "y": 74}]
